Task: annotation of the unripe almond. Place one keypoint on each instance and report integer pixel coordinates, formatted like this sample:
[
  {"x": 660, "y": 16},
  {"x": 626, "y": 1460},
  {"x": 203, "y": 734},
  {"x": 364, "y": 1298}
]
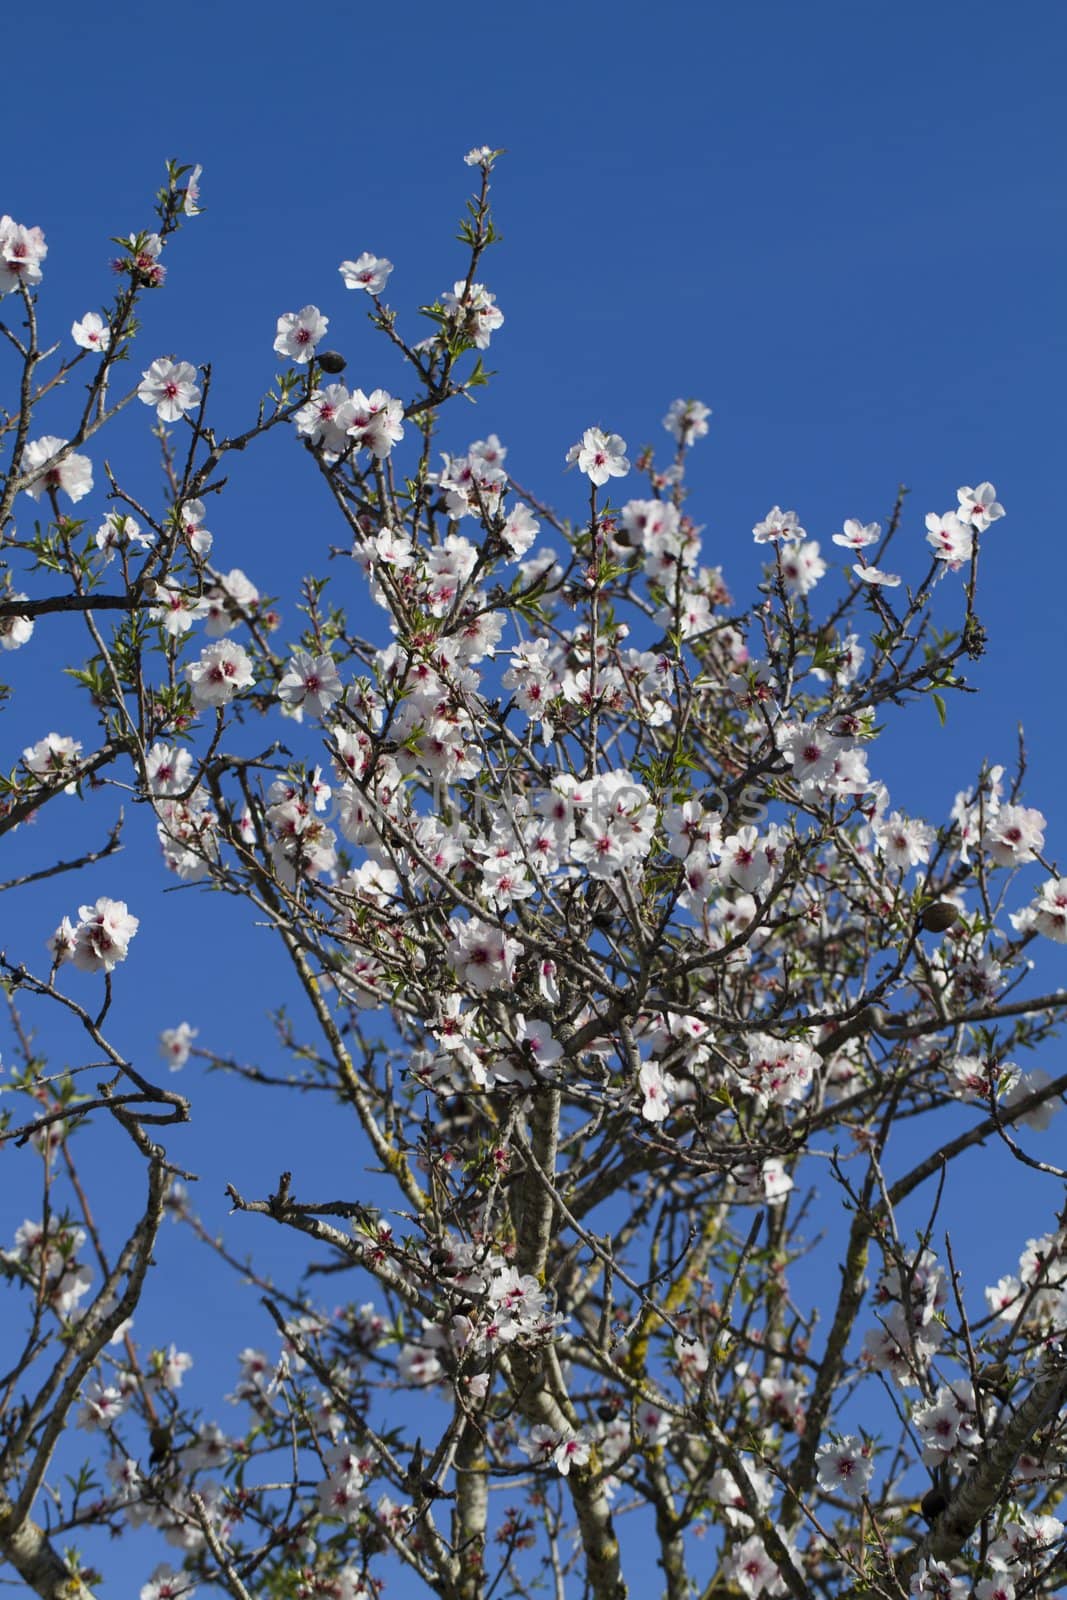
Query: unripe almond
[
  {"x": 939, "y": 915},
  {"x": 933, "y": 1502},
  {"x": 331, "y": 361}
]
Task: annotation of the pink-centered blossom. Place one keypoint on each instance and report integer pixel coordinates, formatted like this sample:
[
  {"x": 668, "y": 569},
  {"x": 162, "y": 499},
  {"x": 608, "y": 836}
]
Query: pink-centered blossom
[
  {"x": 979, "y": 506},
  {"x": 15, "y": 630},
  {"x": 324, "y": 418},
  {"x": 101, "y": 938},
  {"x": 310, "y": 683},
  {"x": 22, "y": 250},
  {"x": 196, "y": 535},
  {"x": 875, "y": 576},
  {"x": 91, "y": 333},
  {"x": 73, "y": 474},
  {"x": 175, "y": 1045},
  {"x": 951, "y": 540},
  {"x": 222, "y": 670},
  {"x": 375, "y": 421},
  {"x": 564, "y": 1450},
  {"x": 687, "y": 420},
  {"x": 168, "y": 769},
  {"x": 904, "y": 841},
  {"x": 481, "y": 956},
  {"x": 166, "y": 1584},
  {"x": 536, "y": 1036},
  {"x": 177, "y": 609},
  {"x": 369, "y": 273},
  {"x": 482, "y": 155},
  {"x": 768, "y": 1184},
  {"x": 752, "y": 1569},
  {"x": 802, "y": 567},
  {"x": 779, "y": 526},
  {"x": 744, "y": 860},
  {"x": 299, "y": 332},
  {"x": 121, "y": 533},
  {"x": 858, "y": 535},
  {"x": 656, "y": 1104},
  {"x": 520, "y": 530},
  {"x": 228, "y": 602},
  {"x": 1047, "y": 914},
  {"x": 143, "y": 260},
  {"x": 474, "y": 312},
  {"x": 52, "y": 757},
  {"x": 935, "y": 1580},
  {"x": 191, "y": 202},
  {"x": 844, "y": 1467},
  {"x": 170, "y": 387},
  {"x": 600, "y": 456},
  {"x": 1015, "y": 835}
]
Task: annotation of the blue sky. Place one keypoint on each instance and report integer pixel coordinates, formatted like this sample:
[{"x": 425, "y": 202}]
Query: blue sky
[{"x": 840, "y": 225}]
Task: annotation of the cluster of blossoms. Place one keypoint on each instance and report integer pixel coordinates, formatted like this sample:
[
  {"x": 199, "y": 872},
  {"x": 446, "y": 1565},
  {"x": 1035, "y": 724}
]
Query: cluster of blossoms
[
  {"x": 950, "y": 537},
  {"x": 612, "y": 855},
  {"x": 910, "y": 1299},
  {"x": 341, "y": 1495},
  {"x": 120, "y": 534},
  {"x": 470, "y": 313},
  {"x": 570, "y": 828},
  {"x": 500, "y": 1306},
  {"x": 341, "y": 420},
  {"x": 1036, "y": 1297},
  {"x": 99, "y": 940},
  {"x": 950, "y": 1426},
  {"x": 777, "y": 1071},
  {"x": 140, "y": 260},
  {"x": 1047, "y": 914},
  {"x": 47, "y": 1258},
  {"x": 228, "y": 600},
  {"x": 563, "y": 1449},
  {"x": 104, "y": 1400},
  {"x": 473, "y": 313},
  {"x": 185, "y": 820},
  {"x": 1017, "y": 1558},
  {"x": 302, "y": 846},
  {"x": 53, "y": 758}
]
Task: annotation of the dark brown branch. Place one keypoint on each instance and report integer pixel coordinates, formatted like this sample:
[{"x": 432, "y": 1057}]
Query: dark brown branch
[{"x": 72, "y": 602}]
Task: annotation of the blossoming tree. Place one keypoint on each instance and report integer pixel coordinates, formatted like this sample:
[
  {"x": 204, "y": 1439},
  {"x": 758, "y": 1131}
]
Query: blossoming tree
[{"x": 616, "y": 949}]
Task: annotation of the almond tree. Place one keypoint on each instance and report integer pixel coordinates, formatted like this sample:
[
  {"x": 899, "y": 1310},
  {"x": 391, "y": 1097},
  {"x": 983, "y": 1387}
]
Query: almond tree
[{"x": 606, "y": 934}]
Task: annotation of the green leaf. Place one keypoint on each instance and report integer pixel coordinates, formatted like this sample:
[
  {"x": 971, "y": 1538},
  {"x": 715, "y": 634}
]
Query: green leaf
[{"x": 939, "y": 707}]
